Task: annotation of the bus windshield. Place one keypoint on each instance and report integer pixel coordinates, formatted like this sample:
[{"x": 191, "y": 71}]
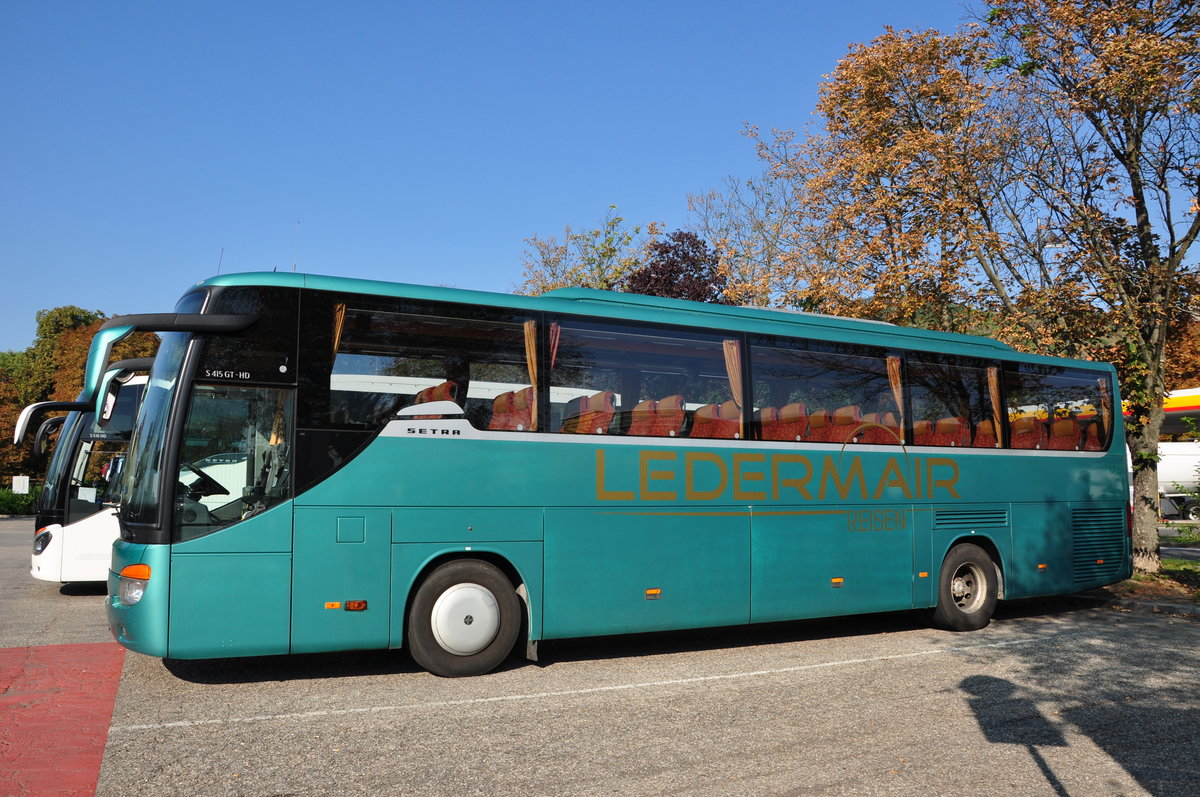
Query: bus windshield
[
  {"x": 141, "y": 490},
  {"x": 60, "y": 460}
]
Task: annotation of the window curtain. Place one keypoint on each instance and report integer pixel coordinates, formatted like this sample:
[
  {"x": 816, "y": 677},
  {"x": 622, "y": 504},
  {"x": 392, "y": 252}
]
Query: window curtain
[
  {"x": 531, "y": 365},
  {"x": 993, "y": 376},
  {"x": 893, "y": 372},
  {"x": 733, "y": 369}
]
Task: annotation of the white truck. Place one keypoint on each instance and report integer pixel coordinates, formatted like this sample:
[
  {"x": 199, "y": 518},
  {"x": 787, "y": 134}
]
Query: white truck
[{"x": 1178, "y": 480}]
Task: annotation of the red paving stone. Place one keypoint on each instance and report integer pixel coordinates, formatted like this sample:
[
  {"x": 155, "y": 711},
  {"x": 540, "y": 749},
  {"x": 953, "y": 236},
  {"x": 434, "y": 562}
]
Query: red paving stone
[{"x": 56, "y": 704}]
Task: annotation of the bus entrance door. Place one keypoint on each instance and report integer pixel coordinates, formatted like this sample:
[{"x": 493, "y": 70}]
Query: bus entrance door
[{"x": 340, "y": 577}]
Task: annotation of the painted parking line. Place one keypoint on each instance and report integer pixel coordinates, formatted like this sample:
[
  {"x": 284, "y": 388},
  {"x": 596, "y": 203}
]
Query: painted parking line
[
  {"x": 118, "y": 730},
  {"x": 56, "y": 703}
]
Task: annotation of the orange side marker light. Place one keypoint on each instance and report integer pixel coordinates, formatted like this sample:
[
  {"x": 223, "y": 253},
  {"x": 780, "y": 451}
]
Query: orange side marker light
[{"x": 136, "y": 571}]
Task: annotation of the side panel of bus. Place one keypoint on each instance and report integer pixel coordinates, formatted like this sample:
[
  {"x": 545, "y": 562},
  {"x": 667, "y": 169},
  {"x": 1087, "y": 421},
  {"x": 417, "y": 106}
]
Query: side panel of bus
[
  {"x": 231, "y": 592},
  {"x": 340, "y": 592}
]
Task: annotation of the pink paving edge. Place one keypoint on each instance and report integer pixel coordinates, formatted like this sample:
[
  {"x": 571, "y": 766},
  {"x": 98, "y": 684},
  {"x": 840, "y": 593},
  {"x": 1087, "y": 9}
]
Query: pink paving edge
[{"x": 56, "y": 703}]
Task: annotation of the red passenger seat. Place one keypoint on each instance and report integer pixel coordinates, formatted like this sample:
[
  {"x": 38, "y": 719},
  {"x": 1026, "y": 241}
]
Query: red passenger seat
[
  {"x": 513, "y": 411},
  {"x": 985, "y": 435},
  {"x": 819, "y": 423},
  {"x": 951, "y": 432},
  {"x": 717, "y": 421},
  {"x": 880, "y": 429},
  {"x": 1091, "y": 439},
  {"x": 446, "y": 391},
  {"x": 838, "y": 426},
  {"x": 845, "y": 426},
  {"x": 1065, "y": 435},
  {"x": 592, "y": 415},
  {"x": 662, "y": 418},
  {"x": 1027, "y": 433},
  {"x": 788, "y": 423}
]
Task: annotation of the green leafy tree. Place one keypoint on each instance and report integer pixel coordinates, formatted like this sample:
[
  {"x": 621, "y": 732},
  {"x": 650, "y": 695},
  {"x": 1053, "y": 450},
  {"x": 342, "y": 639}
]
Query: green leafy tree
[
  {"x": 601, "y": 257},
  {"x": 35, "y": 371}
]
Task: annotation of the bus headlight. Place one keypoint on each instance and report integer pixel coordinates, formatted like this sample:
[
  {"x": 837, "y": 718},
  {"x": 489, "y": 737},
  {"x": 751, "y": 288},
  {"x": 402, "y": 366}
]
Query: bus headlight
[
  {"x": 132, "y": 584},
  {"x": 41, "y": 542}
]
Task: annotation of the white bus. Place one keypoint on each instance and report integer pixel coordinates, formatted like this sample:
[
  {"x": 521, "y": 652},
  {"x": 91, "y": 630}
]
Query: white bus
[{"x": 76, "y": 514}]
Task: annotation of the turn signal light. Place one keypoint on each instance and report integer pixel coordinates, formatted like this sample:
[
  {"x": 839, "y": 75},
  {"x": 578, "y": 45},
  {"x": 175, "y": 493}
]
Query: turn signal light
[
  {"x": 136, "y": 571},
  {"x": 132, "y": 584}
]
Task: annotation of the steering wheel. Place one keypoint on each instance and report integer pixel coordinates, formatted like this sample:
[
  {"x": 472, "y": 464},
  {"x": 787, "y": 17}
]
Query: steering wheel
[{"x": 206, "y": 485}]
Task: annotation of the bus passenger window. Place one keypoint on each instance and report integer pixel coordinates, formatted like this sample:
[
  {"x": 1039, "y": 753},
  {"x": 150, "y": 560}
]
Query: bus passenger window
[
  {"x": 612, "y": 378},
  {"x": 385, "y": 361},
  {"x": 952, "y": 401},
  {"x": 826, "y": 392},
  {"x": 1054, "y": 408}
]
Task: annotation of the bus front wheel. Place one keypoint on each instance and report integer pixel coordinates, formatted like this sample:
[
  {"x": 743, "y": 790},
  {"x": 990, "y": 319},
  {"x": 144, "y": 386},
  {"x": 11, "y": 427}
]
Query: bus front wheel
[
  {"x": 464, "y": 619},
  {"x": 967, "y": 589}
]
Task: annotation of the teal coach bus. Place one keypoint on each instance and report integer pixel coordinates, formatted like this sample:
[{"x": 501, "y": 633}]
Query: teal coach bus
[{"x": 333, "y": 464}]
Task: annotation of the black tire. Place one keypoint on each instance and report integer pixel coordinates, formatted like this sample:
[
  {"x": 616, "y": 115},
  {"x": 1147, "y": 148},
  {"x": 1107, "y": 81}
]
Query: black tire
[
  {"x": 1190, "y": 510},
  {"x": 464, "y": 619},
  {"x": 967, "y": 588}
]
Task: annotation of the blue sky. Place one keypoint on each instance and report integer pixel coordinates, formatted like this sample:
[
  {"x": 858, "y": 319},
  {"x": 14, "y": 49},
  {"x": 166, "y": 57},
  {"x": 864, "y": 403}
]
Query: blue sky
[{"x": 415, "y": 142}]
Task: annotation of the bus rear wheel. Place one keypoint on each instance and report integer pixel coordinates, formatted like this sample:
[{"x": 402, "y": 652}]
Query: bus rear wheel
[
  {"x": 967, "y": 589},
  {"x": 464, "y": 619}
]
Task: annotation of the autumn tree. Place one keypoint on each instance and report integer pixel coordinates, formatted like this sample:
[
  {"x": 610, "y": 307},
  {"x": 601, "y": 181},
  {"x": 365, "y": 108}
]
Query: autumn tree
[
  {"x": 1183, "y": 357},
  {"x": 52, "y": 369},
  {"x": 601, "y": 257},
  {"x": 749, "y": 223},
  {"x": 1033, "y": 177},
  {"x": 682, "y": 266},
  {"x": 35, "y": 366}
]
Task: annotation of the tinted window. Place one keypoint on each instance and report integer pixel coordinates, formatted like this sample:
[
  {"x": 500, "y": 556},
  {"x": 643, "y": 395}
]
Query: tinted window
[
  {"x": 953, "y": 402},
  {"x": 264, "y": 352},
  {"x": 827, "y": 393},
  {"x": 619, "y": 379},
  {"x": 1056, "y": 408},
  {"x": 234, "y": 458}
]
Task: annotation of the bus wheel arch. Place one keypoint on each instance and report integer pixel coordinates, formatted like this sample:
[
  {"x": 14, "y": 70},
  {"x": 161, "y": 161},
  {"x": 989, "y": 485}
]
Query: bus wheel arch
[
  {"x": 969, "y": 584},
  {"x": 464, "y": 616}
]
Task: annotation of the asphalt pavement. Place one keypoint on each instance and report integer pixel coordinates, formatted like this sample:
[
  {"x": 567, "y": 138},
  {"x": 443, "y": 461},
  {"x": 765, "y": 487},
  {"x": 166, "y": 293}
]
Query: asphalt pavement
[{"x": 1054, "y": 697}]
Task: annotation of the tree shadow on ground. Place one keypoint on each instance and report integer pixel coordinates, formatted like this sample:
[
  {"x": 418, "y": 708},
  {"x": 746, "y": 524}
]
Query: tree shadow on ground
[{"x": 1133, "y": 693}]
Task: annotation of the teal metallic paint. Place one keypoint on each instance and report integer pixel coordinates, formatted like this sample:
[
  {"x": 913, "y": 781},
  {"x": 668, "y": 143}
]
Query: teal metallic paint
[
  {"x": 342, "y": 554},
  {"x": 601, "y": 562},
  {"x": 588, "y": 539},
  {"x": 143, "y": 626},
  {"x": 97, "y": 361},
  {"x": 466, "y": 524},
  {"x": 229, "y": 604},
  {"x": 796, "y": 559},
  {"x": 231, "y": 590}
]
